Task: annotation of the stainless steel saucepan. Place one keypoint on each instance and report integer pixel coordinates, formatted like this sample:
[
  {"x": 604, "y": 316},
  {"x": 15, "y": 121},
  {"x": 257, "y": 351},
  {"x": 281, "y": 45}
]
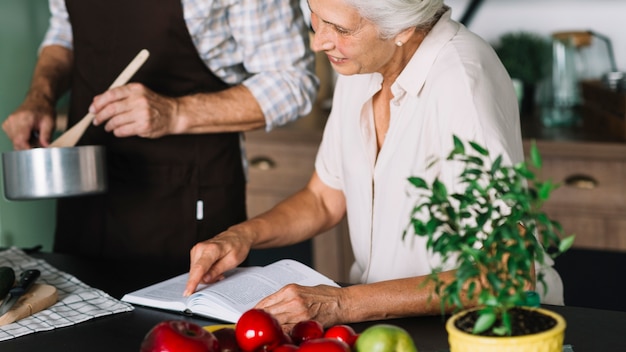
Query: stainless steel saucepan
[
  {"x": 54, "y": 172},
  {"x": 62, "y": 170}
]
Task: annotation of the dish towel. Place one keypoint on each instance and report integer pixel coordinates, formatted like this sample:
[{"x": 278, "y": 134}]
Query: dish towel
[{"x": 77, "y": 301}]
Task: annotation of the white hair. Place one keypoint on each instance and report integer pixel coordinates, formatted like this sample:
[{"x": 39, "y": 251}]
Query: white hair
[{"x": 393, "y": 16}]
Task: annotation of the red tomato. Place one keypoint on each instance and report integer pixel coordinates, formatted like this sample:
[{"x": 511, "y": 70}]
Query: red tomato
[
  {"x": 324, "y": 345},
  {"x": 256, "y": 329},
  {"x": 343, "y": 333},
  {"x": 306, "y": 330}
]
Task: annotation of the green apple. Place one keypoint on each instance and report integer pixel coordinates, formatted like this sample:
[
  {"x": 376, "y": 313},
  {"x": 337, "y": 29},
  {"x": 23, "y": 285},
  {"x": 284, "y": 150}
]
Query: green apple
[{"x": 385, "y": 338}]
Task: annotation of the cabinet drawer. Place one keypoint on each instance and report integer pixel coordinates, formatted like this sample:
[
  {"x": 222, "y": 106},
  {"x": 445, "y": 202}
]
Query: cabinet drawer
[
  {"x": 586, "y": 184},
  {"x": 591, "y": 231},
  {"x": 281, "y": 169},
  {"x": 282, "y": 164},
  {"x": 591, "y": 201}
]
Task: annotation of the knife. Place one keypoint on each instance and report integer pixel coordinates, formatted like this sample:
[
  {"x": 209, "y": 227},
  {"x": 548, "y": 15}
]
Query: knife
[
  {"x": 7, "y": 280},
  {"x": 27, "y": 279}
]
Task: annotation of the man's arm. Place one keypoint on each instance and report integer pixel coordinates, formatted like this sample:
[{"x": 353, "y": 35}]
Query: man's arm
[
  {"x": 51, "y": 78},
  {"x": 233, "y": 109}
]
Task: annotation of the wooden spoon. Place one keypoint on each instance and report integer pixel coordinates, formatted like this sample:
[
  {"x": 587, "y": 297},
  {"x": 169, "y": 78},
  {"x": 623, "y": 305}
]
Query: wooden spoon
[{"x": 71, "y": 136}]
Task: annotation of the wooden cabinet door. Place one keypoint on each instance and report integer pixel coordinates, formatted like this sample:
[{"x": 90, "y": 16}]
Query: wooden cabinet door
[{"x": 591, "y": 199}]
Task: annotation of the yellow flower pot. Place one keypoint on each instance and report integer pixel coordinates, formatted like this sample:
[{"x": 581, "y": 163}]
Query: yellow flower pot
[{"x": 546, "y": 341}]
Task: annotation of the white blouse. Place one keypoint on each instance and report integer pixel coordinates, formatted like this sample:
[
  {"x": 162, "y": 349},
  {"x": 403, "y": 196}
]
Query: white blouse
[{"x": 453, "y": 85}]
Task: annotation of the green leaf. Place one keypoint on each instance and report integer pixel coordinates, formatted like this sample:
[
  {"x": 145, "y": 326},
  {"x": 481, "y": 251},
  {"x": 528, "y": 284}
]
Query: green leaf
[
  {"x": 497, "y": 165},
  {"x": 506, "y": 323},
  {"x": 535, "y": 157},
  {"x": 431, "y": 226},
  {"x": 477, "y": 147},
  {"x": 472, "y": 172},
  {"x": 484, "y": 322},
  {"x": 432, "y": 162},
  {"x": 475, "y": 160},
  {"x": 459, "y": 148},
  {"x": 471, "y": 290},
  {"x": 439, "y": 189},
  {"x": 566, "y": 243},
  {"x": 490, "y": 300},
  {"x": 545, "y": 190},
  {"x": 500, "y": 331},
  {"x": 418, "y": 182},
  {"x": 524, "y": 172}
]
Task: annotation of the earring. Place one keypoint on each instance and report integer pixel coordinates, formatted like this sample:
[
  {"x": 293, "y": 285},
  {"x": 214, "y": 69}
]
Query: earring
[{"x": 399, "y": 43}]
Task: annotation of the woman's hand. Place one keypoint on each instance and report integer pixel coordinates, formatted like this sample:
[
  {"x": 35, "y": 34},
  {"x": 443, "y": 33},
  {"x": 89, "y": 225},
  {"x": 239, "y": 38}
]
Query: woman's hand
[
  {"x": 294, "y": 303},
  {"x": 211, "y": 258}
]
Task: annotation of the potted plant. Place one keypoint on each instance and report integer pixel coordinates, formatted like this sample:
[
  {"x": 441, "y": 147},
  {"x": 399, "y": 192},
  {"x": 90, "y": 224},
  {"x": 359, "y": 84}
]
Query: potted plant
[
  {"x": 495, "y": 232},
  {"x": 527, "y": 58}
]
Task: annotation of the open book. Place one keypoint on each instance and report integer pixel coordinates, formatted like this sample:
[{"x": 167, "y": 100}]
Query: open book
[{"x": 229, "y": 298}]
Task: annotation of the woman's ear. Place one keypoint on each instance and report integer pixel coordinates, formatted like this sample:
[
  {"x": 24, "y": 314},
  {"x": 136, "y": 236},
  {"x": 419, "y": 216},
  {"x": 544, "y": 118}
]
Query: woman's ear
[{"x": 405, "y": 35}]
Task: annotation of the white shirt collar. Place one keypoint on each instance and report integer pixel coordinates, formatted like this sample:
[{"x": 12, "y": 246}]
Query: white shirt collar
[{"x": 414, "y": 75}]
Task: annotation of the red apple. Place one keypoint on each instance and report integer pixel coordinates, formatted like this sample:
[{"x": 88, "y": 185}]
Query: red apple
[
  {"x": 343, "y": 333},
  {"x": 324, "y": 344},
  {"x": 306, "y": 330},
  {"x": 227, "y": 340},
  {"x": 258, "y": 330},
  {"x": 179, "y": 336}
]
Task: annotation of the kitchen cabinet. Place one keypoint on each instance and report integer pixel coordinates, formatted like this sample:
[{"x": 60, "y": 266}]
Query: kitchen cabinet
[
  {"x": 591, "y": 199},
  {"x": 590, "y": 166},
  {"x": 281, "y": 162}
]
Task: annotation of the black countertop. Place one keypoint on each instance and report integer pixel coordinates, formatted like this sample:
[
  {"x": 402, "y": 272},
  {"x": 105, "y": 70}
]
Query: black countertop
[{"x": 587, "y": 330}]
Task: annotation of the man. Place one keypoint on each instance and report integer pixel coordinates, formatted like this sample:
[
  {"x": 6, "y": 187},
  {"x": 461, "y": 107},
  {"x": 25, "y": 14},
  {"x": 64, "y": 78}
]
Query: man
[{"x": 172, "y": 137}]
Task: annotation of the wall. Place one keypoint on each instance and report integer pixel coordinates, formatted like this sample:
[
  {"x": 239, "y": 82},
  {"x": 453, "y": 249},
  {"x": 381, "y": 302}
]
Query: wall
[
  {"x": 495, "y": 17},
  {"x": 22, "y": 25}
]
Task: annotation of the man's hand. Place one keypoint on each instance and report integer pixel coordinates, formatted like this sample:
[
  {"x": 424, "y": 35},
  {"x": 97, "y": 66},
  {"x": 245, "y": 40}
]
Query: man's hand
[
  {"x": 30, "y": 121},
  {"x": 135, "y": 110}
]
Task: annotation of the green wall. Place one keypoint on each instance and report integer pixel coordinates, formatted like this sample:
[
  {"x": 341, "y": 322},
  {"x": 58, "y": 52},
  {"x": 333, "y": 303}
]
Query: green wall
[{"x": 22, "y": 26}]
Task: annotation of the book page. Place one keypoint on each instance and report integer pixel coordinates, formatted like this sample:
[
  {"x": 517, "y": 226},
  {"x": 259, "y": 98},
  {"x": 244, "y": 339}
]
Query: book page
[
  {"x": 165, "y": 295},
  {"x": 244, "y": 289},
  {"x": 241, "y": 289}
]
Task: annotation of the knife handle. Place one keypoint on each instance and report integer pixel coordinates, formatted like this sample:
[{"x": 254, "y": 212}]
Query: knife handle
[
  {"x": 27, "y": 279},
  {"x": 40, "y": 297},
  {"x": 7, "y": 280}
]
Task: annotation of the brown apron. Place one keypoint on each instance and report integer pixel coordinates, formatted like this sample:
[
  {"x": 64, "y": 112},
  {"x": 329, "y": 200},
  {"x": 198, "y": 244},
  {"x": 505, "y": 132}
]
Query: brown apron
[{"x": 154, "y": 184}]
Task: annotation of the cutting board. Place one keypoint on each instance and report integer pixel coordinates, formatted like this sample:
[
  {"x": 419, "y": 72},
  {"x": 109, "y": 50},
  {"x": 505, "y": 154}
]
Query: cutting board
[{"x": 38, "y": 298}]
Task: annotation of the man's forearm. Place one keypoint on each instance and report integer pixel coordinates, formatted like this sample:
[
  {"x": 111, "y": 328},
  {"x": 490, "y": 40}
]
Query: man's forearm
[
  {"x": 234, "y": 109},
  {"x": 51, "y": 77}
]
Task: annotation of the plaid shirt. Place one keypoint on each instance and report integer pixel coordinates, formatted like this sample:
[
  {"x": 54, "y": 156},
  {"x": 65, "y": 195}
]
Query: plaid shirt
[{"x": 263, "y": 45}]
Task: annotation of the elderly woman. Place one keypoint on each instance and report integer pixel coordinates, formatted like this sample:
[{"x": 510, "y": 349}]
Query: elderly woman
[{"x": 410, "y": 78}]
